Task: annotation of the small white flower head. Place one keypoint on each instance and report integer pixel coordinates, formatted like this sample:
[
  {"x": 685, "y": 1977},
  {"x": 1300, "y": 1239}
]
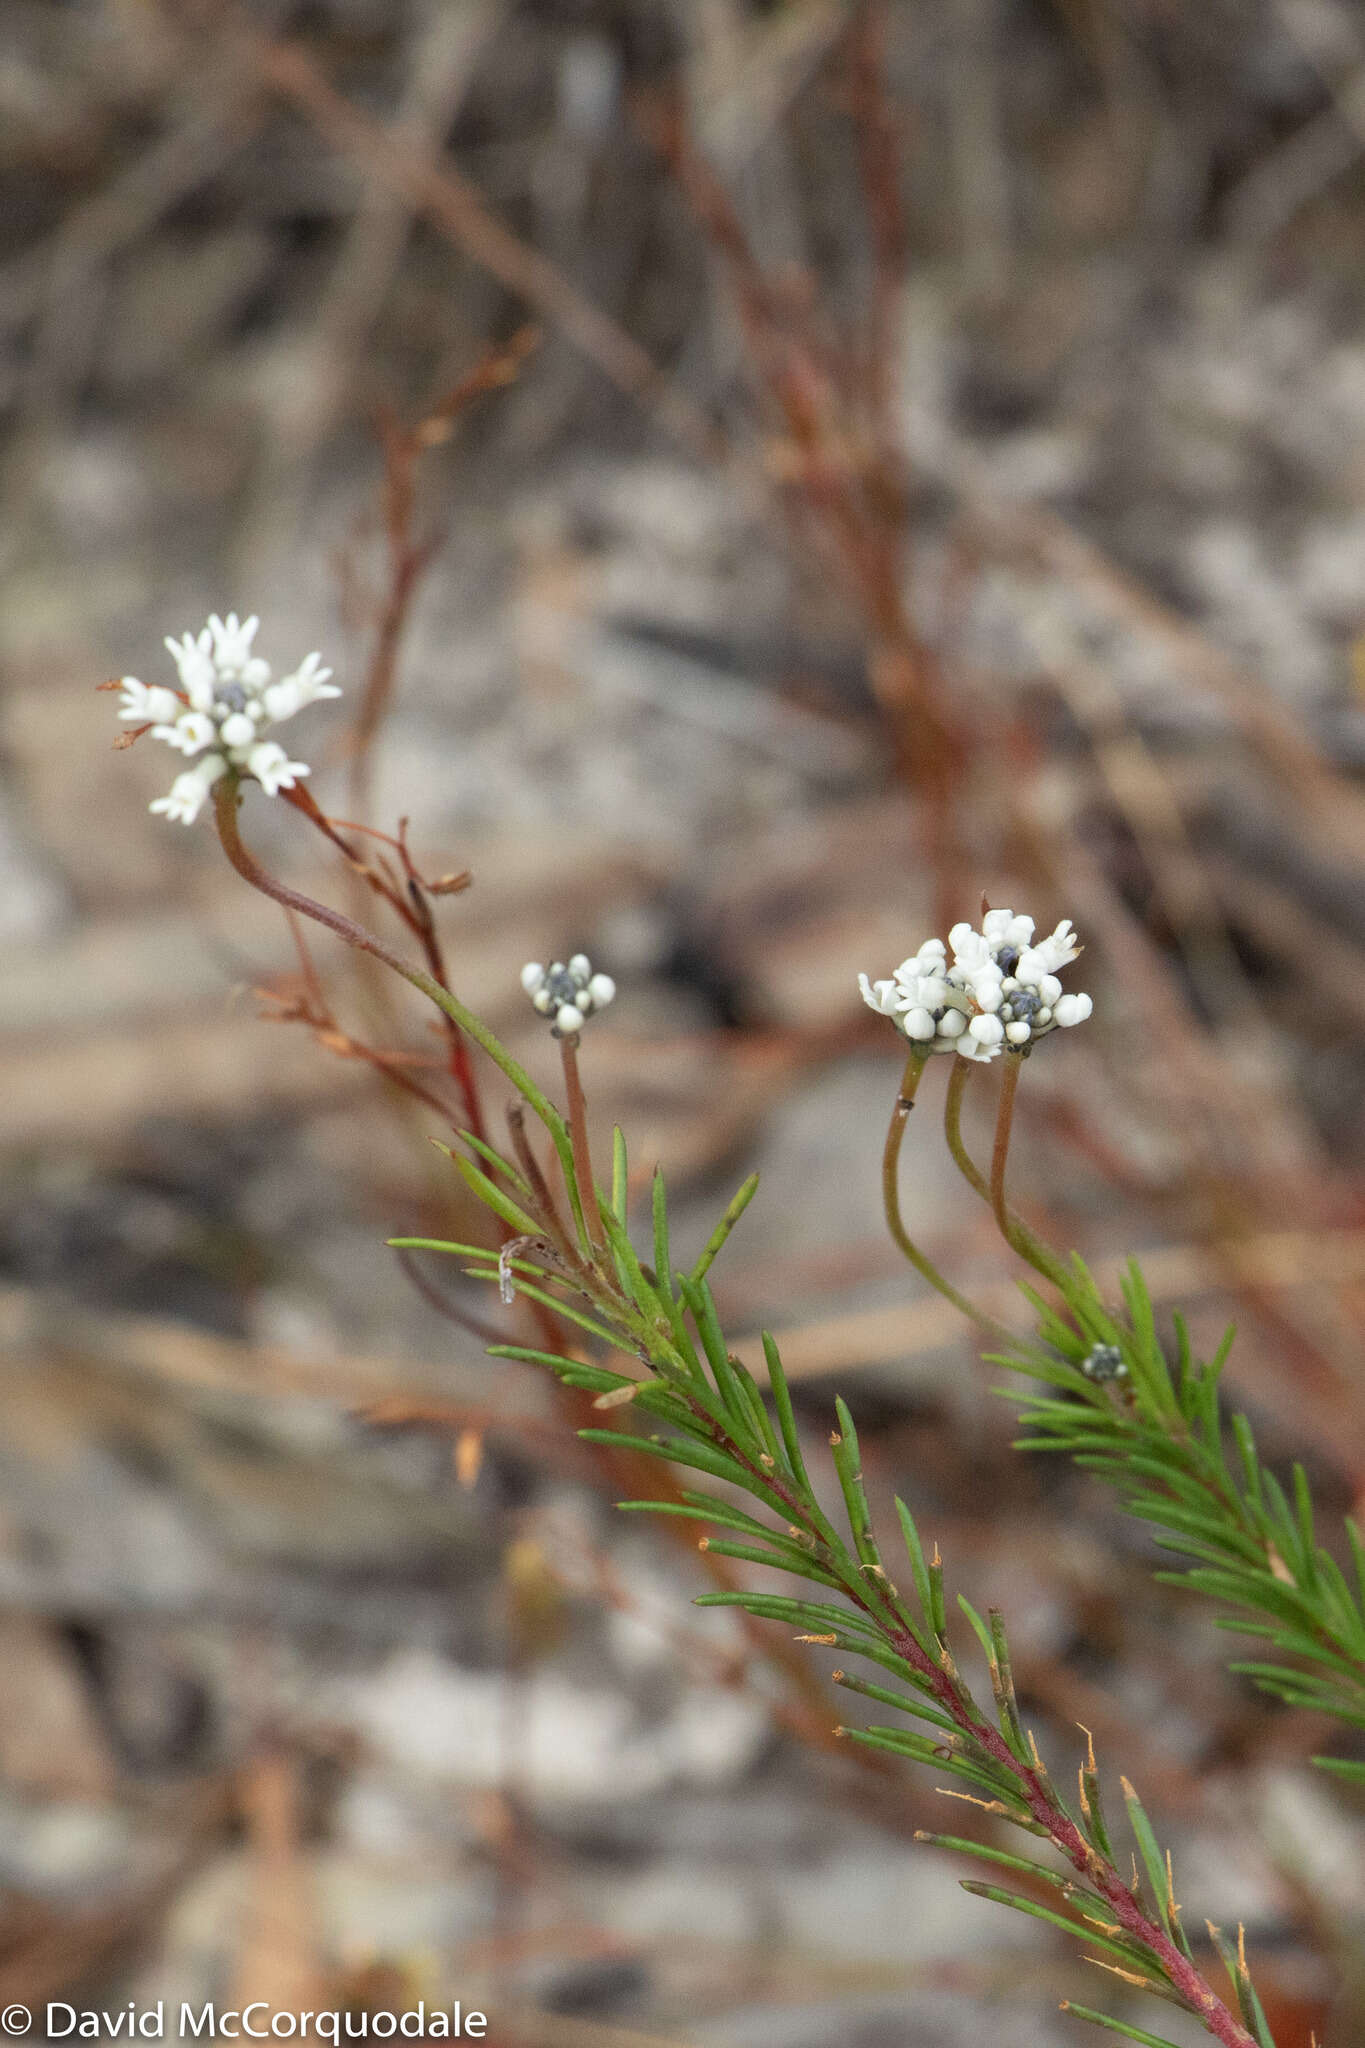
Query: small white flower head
[
  {"x": 219, "y": 716},
  {"x": 567, "y": 994},
  {"x": 999, "y": 993}
]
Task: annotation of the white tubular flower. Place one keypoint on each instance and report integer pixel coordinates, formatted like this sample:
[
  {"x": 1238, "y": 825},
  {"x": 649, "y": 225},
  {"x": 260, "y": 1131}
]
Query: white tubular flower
[
  {"x": 147, "y": 704},
  {"x": 195, "y": 662},
  {"x": 232, "y": 654},
  {"x": 882, "y": 996},
  {"x": 999, "y": 994},
  {"x": 273, "y": 769},
  {"x": 567, "y": 995},
  {"x": 189, "y": 792},
  {"x": 308, "y": 683},
  {"x": 1059, "y": 949},
  {"x": 190, "y": 733},
  {"x": 222, "y": 711}
]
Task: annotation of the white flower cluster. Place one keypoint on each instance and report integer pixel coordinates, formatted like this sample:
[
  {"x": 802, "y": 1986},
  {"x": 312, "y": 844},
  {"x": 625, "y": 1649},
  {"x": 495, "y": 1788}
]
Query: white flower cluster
[
  {"x": 1000, "y": 993},
  {"x": 568, "y": 994},
  {"x": 218, "y": 717}
]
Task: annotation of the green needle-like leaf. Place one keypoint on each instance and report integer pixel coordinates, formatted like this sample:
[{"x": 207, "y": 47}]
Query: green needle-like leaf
[{"x": 1130, "y": 2033}]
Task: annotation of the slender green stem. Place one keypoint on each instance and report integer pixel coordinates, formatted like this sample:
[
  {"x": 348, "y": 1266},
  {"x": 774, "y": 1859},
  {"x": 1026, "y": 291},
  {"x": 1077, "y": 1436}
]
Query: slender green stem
[
  {"x": 1021, "y": 1239},
  {"x": 952, "y": 1128},
  {"x": 891, "y": 1201},
  {"x": 582, "y": 1156}
]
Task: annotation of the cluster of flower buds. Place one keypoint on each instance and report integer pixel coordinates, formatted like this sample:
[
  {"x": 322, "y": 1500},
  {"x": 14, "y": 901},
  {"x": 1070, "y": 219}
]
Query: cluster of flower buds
[
  {"x": 1103, "y": 1363},
  {"x": 567, "y": 994},
  {"x": 999, "y": 993},
  {"x": 218, "y": 717}
]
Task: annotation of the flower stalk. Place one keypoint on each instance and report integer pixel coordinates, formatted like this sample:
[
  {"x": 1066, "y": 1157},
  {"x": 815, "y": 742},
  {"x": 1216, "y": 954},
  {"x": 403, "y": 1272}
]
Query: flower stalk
[{"x": 891, "y": 1203}]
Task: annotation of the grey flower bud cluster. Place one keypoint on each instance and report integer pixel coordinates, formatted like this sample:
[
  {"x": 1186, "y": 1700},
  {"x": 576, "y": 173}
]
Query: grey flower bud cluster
[
  {"x": 568, "y": 993},
  {"x": 1103, "y": 1362}
]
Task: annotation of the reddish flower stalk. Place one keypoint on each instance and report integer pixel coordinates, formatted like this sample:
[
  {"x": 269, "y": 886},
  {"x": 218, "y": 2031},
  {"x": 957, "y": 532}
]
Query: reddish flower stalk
[
  {"x": 1004, "y": 1124},
  {"x": 578, "y": 1130}
]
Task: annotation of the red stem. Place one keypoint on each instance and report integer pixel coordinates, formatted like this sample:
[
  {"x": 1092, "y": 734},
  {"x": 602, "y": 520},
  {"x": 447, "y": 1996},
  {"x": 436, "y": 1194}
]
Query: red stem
[
  {"x": 578, "y": 1132},
  {"x": 1004, "y": 1124}
]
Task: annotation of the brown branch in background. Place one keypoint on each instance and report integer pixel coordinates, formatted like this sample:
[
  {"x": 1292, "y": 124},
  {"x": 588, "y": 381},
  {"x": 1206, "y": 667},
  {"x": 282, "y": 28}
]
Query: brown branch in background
[
  {"x": 879, "y": 160},
  {"x": 444, "y": 197},
  {"x": 308, "y": 1005},
  {"x": 844, "y": 479},
  {"x": 408, "y": 557},
  {"x": 408, "y": 898}
]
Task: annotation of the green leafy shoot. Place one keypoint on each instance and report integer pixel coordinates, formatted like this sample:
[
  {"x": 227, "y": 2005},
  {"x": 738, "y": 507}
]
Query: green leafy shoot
[{"x": 1156, "y": 1433}]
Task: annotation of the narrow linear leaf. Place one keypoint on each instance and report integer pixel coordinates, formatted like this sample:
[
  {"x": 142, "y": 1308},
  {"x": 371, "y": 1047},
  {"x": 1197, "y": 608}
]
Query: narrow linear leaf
[
  {"x": 493, "y": 1157},
  {"x": 492, "y": 1197},
  {"x": 619, "y": 1174},
  {"x": 663, "y": 1262},
  {"x": 984, "y": 1852},
  {"x": 786, "y": 1416},
  {"x": 848, "y": 1466},
  {"x": 674, "y": 1451},
  {"x": 1153, "y": 1861},
  {"x": 1127, "y": 1952},
  {"x": 1100, "y": 2019},
  {"x": 716, "y": 1241},
  {"x": 919, "y": 1570}
]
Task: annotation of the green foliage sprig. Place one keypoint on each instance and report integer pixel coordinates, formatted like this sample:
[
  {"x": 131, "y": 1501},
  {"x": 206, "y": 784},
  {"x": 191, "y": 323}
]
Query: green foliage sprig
[
  {"x": 708, "y": 1414},
  {"x": 1155, "y": 1431}
]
